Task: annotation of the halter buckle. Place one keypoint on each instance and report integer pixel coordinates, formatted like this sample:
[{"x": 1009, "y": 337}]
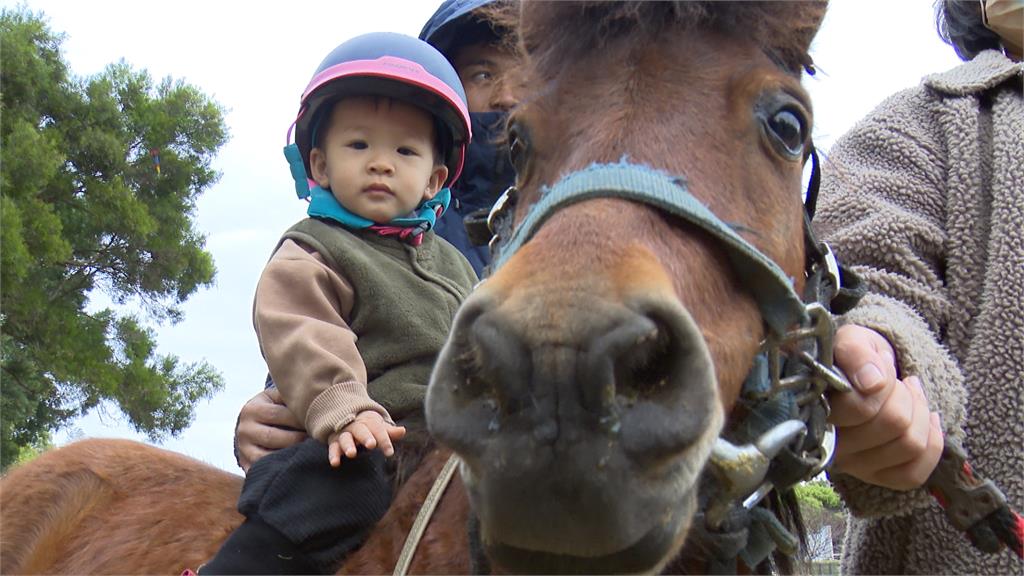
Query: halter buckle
[
  {"x": 823, "y": 374},
  {"x": 808, "y": 386}
]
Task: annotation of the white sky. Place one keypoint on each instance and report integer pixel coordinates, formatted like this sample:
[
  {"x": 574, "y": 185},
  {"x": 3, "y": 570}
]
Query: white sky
[{"x": 256, "y": 60}]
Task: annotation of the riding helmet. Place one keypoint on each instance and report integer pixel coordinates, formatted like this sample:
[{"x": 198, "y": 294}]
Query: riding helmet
[{"x": 394, "y": 66}]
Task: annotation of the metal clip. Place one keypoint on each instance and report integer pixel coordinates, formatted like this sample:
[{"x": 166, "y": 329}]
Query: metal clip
[
  {"x": 742, "y": 469},
  {"x": 498, "y": 208},
  {"x": 824, "y": 375},
  {"x": 831, "y": 268}
]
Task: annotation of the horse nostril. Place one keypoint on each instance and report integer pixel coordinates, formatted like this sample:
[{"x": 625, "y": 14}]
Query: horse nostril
[
  {"x": 476, "y": 379},
  {"x": 650, "y": 381},
  {"x": 647, "y": 369},
  {"x": 617, "y": 362},
  {"x": 493, "y": 363}
]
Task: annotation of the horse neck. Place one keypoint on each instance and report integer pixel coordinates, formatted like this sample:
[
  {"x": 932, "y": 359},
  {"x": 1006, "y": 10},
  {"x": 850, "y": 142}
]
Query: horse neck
[{"x": 444, "y": 547}]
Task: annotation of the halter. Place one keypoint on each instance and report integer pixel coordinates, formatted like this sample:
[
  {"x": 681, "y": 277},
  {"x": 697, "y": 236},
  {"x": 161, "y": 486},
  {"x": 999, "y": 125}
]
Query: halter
[
  {"x": 783, "y": 437},
  {"x": 780, "y": 306}
]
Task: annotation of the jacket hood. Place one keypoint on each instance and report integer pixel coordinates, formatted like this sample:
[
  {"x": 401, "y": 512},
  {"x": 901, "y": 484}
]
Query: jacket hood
[{"x": 447, "y": 29}]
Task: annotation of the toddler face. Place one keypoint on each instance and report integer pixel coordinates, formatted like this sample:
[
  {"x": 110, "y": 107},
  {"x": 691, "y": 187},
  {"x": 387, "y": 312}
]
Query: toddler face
[{"x": 377, "y": 157}]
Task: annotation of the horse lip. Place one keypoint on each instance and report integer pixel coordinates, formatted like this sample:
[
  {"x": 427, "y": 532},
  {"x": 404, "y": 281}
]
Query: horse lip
[
  {"x": 544, "y": 509},
  {"x": 646, "y": 555}
]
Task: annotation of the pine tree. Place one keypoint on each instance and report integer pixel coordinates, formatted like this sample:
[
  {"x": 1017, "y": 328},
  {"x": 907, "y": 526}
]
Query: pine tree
[{"x": 99, "y": 179}]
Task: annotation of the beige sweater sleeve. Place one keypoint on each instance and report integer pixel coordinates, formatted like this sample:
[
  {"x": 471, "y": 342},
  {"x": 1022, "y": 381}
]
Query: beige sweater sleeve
[
  {"x": 300, "y": 313},
  {"x": 883, "y": 211}
]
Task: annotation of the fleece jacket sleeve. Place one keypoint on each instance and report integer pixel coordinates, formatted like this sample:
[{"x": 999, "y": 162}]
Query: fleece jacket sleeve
[
  {"x": 299, "y": 315},
  {"x": 882, "y": 210}
]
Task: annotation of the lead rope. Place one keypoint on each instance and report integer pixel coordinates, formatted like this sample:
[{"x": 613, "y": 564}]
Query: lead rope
[
  {"x": 419, "y": 526},
  {"x": 975, "y": 505}
]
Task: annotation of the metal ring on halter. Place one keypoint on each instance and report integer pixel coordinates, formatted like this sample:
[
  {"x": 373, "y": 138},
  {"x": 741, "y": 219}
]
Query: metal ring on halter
[
  {"x": 828, "y": 449},
  {"x": 498, "y": 208}
]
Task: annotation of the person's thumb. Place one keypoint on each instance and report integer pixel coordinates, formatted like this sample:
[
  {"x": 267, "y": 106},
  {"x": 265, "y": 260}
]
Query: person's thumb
[
  {"x": 868, "y": 377},
  {"x": 864, "y": 356}
]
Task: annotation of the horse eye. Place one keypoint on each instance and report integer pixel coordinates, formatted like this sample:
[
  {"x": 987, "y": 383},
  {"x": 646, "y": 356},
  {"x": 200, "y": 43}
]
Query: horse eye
[{"x": 787, "y": 129}]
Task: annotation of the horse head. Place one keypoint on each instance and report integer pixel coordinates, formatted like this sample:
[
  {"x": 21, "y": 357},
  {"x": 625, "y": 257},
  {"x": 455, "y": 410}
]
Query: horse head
[{"x": 586, "y": 381}]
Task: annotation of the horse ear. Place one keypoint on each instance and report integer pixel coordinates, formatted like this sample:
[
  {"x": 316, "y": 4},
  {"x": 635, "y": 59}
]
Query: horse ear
[{"x": 805, "y": 18}]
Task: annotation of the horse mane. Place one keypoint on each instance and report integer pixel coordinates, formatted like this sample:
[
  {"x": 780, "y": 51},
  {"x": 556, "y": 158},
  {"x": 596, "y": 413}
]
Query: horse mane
[{"x": 782, "y": 29}]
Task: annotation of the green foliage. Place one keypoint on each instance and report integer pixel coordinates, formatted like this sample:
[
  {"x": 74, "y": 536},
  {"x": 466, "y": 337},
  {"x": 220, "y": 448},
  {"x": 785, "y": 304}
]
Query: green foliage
[
  {"x": 26, "y": 453},
  {"x": 818, "y": 494},
  {"x": 82, "y": 208}
]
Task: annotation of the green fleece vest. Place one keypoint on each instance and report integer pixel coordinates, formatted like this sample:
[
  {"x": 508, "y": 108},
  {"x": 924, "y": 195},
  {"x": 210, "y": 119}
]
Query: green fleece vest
[{"x": 405, "y": 300}]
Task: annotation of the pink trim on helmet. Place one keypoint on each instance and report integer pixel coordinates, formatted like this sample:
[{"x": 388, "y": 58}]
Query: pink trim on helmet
[
  {"x": 395, "y": 69},
  {"x": 458, "y": 165}
]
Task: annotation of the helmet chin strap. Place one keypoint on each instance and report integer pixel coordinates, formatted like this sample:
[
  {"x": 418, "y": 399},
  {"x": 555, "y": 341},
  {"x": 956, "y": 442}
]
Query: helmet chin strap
[
  {"x": 303, "y": 184},
  {"x": 409, "y": 229}
]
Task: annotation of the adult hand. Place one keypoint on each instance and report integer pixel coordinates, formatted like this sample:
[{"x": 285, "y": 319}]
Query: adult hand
[
  {"x": 265, "y": 424},
  {"x": 368, "y": 430},
  {"x": 885, "y": 434}
]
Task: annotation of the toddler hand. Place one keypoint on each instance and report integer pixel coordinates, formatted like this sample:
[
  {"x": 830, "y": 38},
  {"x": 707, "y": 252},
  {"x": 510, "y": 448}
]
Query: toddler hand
[
  {"x": 885, "y": 434},
  {"x": 369, "y": 430}
]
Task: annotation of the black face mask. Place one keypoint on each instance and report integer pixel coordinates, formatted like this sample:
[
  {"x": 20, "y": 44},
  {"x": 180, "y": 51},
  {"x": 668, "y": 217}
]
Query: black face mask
[{"x": 487, "y": 171}]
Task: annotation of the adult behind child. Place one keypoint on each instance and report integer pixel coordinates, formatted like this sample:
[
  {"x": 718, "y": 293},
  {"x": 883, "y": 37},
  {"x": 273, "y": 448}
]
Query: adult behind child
[
  {"x": 487, "y": 65},
  {"x": 489, "y": 69},
  {"x": 356, "y": 301},
  {"x": 924, "y": 199}
]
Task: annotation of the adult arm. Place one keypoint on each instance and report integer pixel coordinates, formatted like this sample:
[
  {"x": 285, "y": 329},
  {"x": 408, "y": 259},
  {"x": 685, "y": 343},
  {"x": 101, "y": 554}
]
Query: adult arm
[
  {"x": 265, "y": 425},
  {"x": 883, "y": 210}
]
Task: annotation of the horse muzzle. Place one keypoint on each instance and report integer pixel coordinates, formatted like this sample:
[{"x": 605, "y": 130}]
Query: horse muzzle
[{"x": 582, "y": 424}]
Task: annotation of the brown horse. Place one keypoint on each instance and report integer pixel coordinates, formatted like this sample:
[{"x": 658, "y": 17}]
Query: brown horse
[
  {"x": 121, "y": 507},
  {"x": 585, "y": 383}
]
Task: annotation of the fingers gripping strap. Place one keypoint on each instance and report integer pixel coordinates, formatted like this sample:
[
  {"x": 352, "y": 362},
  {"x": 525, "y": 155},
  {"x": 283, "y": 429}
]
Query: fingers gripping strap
[{"x": 780, "y": 305}]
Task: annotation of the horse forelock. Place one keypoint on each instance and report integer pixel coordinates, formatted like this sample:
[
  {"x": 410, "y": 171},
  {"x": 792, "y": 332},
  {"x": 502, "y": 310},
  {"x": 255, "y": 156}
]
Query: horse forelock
[{"x": 555, "y": 33}]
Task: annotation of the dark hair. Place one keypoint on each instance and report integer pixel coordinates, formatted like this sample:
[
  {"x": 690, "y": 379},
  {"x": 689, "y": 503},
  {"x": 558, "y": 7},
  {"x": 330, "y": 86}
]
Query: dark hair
[{"x": 960, "y": 25}]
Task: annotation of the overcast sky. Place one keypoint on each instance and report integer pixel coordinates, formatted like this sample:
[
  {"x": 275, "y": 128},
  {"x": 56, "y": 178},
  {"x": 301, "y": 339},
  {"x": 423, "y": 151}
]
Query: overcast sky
[{"x": 255, "y": 59}]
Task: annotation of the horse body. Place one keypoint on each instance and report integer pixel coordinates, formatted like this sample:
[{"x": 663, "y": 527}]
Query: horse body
[
  {"x": 106, "y": 506},
  {"x": 584, "y": 384},
  {"x": 114, "y": 507}
]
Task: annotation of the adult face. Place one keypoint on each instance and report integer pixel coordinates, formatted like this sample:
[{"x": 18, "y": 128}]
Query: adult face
[{"x": 490, "y": 74}]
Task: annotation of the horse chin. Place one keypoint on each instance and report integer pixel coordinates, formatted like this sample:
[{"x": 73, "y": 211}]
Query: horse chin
[
  {"x": 645, "y": 556},
  {"x": 586, "y": 510}
]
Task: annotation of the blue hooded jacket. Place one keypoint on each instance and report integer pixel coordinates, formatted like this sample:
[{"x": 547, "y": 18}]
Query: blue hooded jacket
[{"x": 487, "y": 171}]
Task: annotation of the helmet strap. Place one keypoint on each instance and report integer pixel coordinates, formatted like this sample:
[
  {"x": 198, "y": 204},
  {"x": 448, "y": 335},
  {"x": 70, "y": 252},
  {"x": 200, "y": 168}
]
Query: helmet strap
[
  {"x": 298, "y": 169},
  {"x": 409, "y": 229}
]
